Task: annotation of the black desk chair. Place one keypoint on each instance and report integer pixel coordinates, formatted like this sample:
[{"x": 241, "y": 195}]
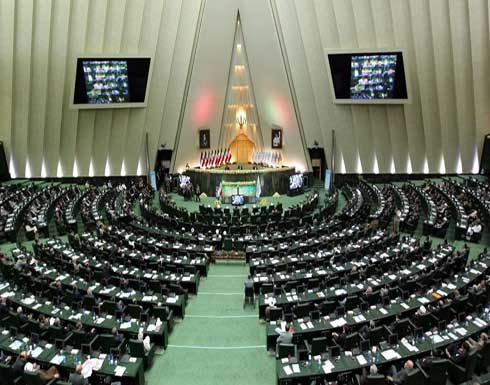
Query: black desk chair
[
  {"x": 458, "y": 373},
  {"x": 302, "y": 310},
  {"x": 134, "y": 311},
  {"x": 34, "y": 379},
  {"x": 165, "y": 314},
  {"x": 137, "y": 349},
  {"x": 109, "y": 307},
  {"x": 317, "y": 346},
  {"x": 267, "y": 288},
  {"x": 315, "y": 315},
  {"x": 351, "y": 302},
  {"x": 377, "y": 334},
  {"x": 377, "y": 379},
  {"x": 403, "y": 328},
  {"x": 484, "y": 359},
  {"x": 275, "y": 314},
  {"x": 414, "y": 377},
  {"x": 426, "y": 321},
  {"x": 287, "y": 350},
  {"x": 437, "y": 373},
  {"x": 351, "y": 341},
  {"x": 6, "y": 376}
]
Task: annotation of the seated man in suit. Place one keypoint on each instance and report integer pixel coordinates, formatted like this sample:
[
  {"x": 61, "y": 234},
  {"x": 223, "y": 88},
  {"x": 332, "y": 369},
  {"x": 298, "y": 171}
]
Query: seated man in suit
[
  {"x": 77, "y": 378},
  {"x": 365, "y": 330},
  {"x": 285, "y": 337},
  {"x": 398, "y": 377},
  {"x": 4, "y": 308},
  {"x": 458, "y": 354},
  {"x": 339, "y": 338},
  {"x": 19, "y": 364},
  {"x": 117, "y": 337}
]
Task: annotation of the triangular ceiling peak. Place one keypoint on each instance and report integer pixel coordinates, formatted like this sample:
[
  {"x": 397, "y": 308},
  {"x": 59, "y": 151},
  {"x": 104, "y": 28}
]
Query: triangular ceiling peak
[{"x": 240, "y": 109}]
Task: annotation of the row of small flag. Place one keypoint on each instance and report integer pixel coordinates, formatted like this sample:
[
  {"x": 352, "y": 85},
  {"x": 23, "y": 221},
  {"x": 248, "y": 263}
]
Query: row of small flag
[
  {"x": 270, "y": 158},
  {"x": 215, "y": 158}
]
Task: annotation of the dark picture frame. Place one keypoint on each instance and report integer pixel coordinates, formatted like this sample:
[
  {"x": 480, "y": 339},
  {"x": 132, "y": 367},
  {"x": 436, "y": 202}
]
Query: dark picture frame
[
  {"x": 204, "y": 139},
  {"x": 276, "y": 138}
]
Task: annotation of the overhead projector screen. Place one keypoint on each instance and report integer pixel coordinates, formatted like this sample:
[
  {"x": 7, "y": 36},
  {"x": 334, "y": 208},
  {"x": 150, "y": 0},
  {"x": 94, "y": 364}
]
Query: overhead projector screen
[
  {"x": 368, "y": 77},
  {"x": 111, "y": 82}
]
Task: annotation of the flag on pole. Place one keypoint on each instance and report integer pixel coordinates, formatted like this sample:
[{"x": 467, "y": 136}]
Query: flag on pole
[
  {"x": 218, "y": 191},
  {"x": 223, "y": 157},
  {"x": 220, "y": 157},
  {"x": 258, "y": 189},
  {"x": 208, "y": 159}
]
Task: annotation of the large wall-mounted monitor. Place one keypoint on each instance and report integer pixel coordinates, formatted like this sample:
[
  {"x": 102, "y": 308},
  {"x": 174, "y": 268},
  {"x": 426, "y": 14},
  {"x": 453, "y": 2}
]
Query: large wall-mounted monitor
[
  {"x": 111, "y": 82},
  {"x": 368, "y": 77}
]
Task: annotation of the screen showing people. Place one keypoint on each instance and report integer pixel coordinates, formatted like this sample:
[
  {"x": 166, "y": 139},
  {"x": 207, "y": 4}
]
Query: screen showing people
[
  {"x": 106, "y": 81},
  {"x": 184, "y": 180},
  {"x": 296, "y": 181},
  {"x": 103, "y": 82},
  {"x": 237, "y": 200},
  {"x": 372, "y": 76},
  {"x": 368, "y": 77}
]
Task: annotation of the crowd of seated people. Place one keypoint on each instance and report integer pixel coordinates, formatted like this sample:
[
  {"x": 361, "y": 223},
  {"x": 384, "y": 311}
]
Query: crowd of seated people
[
  {"x": 437, "y": 210},
  {"x": 383, "y": 205},
  {"x": 441, "y": 309},
  {"x": 426, "y": 282},
  {"x": 67, "y": 291},
  {"x": 13, "y": 200},
  {"x": 413, "y": 208},
  {"x": 309, "y": 267},
  {"x": 469, "y": 225},
  {"x": 480, "y": 192},
  {"x": 454, "y": 356}
]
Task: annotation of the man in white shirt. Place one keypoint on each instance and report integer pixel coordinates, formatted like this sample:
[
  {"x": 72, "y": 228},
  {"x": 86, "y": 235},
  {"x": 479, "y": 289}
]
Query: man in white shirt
[{"x": 474, "y": 229}]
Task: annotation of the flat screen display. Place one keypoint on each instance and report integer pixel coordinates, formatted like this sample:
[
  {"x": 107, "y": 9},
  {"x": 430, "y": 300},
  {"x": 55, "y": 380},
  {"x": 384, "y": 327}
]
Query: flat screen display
[
  {"x": 111, "y": 82},
  {"x": 295, "y": 181},
  {"x": 184, "y": 180},
  {"x": 237, "y": 200},
  {"x": 368, "y": 77}
]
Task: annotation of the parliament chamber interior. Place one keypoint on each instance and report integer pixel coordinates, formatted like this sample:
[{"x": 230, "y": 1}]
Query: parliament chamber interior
[{"x": 246, "y": 192}]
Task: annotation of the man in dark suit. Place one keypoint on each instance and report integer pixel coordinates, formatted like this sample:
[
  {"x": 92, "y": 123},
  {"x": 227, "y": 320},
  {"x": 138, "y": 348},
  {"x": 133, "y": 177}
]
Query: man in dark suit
[
  {"x": 458, "y": 355},
  {"x": 117, "y": 337},
  {"x": 77, "y": 378},
  {"x": 18, "y": 366},
  {"x": 4, "y": 309}
]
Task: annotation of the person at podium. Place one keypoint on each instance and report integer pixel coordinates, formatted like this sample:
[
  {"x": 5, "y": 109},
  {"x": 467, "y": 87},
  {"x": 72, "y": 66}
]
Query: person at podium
[{"x": 197, "y": 192}]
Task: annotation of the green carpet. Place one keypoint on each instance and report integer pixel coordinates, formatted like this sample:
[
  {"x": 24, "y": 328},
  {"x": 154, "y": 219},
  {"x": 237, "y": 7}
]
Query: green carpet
[{"x": 218, "y": 342}]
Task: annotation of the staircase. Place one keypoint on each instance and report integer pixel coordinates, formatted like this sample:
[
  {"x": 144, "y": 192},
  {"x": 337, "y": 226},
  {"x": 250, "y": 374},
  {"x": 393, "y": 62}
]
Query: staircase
[{"x": 316, "y": 184}]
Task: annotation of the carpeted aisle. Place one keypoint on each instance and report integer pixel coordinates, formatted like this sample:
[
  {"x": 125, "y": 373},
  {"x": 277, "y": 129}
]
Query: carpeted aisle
[{"x": 219, "y": 342}]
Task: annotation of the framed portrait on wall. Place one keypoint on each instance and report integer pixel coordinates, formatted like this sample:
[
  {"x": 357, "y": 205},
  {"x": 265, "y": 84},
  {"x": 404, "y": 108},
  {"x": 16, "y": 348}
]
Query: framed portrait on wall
[
  {"x": 204, "y": 139},
  {"x": 276, "y": 139}
]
